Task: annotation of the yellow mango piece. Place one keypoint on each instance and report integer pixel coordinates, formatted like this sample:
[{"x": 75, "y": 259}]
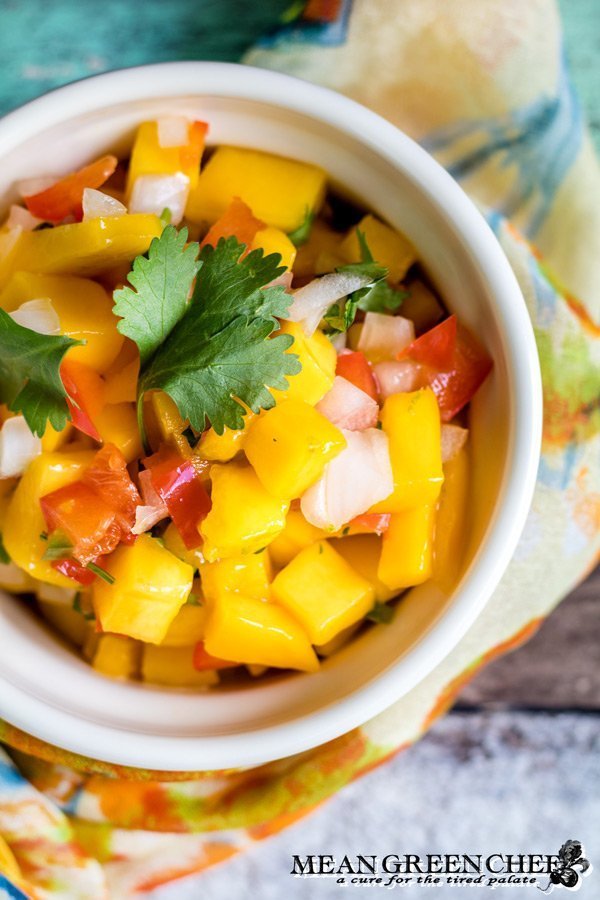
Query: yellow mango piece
[
  {"x": 84, "y": 310},
  {"x": 149, "y": 158},
  {"x": 388, "y": 247},
  {"x": 121, "y": 377},
  {"x": 250, "y": 631},
  {"x": 336, "y": 643},
  {"x": 174, "y": 667},
  {"x": 407, "y": 548},
  {"x": 422, "y": 307},
  {"x": 174, "y": 544},
  {"x": 320, "y": 253},
  {"x": 279, "y": 191},
  {"x": 363, "y": 551},
  {"x": 290, "y": 445},
  {"x": 24, "y": 521},
  {"x": 86, "y": 248},
  {"x": 412, "y": 423},
  {"x": 222, "y": 447},
  {"x": 296, "y": 535},
  {"x": 274, "y": 240},
  {"x": 7, "y": 487},
  {"x": 318, "y": 358},
  {"x": 66, "y": 620},
  {"x": 244, "y": 517},
  {"x": 150, "y": 587},
  {"x": 187, "y": 628},
  {"x": 167, "y": 415},
  {"x": 112, "y": 654},
  {"x": 53, "y": 440},
  {"x": 451, "y": 521},
  {"x": 323, "y": 592},
  {"x": 117, "y": 424},
  {"x": 14, "y": 579},
  {"x": 250, "y": 575}
]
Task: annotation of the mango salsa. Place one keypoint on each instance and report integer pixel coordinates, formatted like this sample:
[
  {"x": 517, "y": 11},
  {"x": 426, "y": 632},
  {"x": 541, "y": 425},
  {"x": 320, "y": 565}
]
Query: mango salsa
[
  {"x": 149, "y": 158},
  {"x": 318, "y": 359},
  {"x": 174, "y": 667},
  {"x": 363, "y": 552},
  {"x": 117, "y": 424},
  {"x": 388, "y": 247},
  {"x": 451, "y": 521},
  {"x": 187, "y": 628},
  {"x": 297, "y": 534},
  {"x": 112, "y": 654},
  {"x": 250, "y": 575},
  {"x": 274, "y": 240},
  {"x": 323, "y": 592},
  {"x": 406, "y": 552}
]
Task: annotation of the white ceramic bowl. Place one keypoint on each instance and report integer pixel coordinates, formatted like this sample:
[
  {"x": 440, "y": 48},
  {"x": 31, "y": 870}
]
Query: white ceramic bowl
[{"x": 51, "y": 693}]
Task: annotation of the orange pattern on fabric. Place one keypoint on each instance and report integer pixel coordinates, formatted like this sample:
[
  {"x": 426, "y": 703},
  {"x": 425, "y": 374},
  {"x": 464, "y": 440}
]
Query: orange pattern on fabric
[{"x": 213, "y": 852}]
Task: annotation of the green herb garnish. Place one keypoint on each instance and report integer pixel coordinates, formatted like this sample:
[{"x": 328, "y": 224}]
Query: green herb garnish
[
  {"x": 4, "y": 557},
  {"x": 77, "y": 607},
  {"x": 100, "y": 572},
  {"x": 301, "y": 234},
  {"x": 381, "y": 613},
  {"x": 193, "y": 600},
  {"x": 59, "y": 547}
]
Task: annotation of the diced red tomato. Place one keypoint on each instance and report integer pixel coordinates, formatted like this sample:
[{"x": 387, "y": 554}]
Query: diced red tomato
[
  {"x": 85, "y": 395},
  {"x": 435, "y": 348},
  {"x": 191, "y": 154},
  {"x": 74, "y": 570},
  {"x": 96, "y": 512},
  {"x": 236, "y": 221},
  {"x": 204, "y": 661},
  {"x": 355, "y": 367},
  {"x": 177, "y": 483},
  {"x": 369, "y": 523},
  {"x": 64, "y": 198}
]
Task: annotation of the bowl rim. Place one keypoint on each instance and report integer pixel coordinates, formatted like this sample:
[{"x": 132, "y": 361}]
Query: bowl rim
[{"x": 224, "y": 751}]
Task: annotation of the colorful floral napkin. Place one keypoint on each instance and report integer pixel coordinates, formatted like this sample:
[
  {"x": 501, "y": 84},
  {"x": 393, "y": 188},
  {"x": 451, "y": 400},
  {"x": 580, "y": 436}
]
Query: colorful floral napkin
[{"x": 484, "y": 87}]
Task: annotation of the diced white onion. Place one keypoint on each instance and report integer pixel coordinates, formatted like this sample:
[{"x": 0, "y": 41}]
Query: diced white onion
[
  {"x": 155, "y": 193},
  {"x": 12, "y": 578},
  {"x": 37, "y": 315},
  {"x": 98, "y": 205},
  {"x": 18, "y": 446},
  {"x": 339, "y": 341},
  {"x": 397, "y": 376},
  {"x": 346, "y": 406},
  {"x": 284, "y": 280},
  {"x": 152, "y": 510},
  {"x": 30, "y": 186},
  {"x": 51, "y": 593},
  {"x": 454, "y": 439},
  {"x": 382, "y": 337},
  {"x": 172, "y": 131},
  {"x": 352, "y": 482},
  {"x": 20, "y": 216},
  {"x": 314, "y": 299}
]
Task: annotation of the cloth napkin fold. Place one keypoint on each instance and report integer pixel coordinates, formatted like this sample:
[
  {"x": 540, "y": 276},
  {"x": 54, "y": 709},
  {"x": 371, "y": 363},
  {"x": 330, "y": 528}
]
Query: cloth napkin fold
[{"x": 484, "y": 87}]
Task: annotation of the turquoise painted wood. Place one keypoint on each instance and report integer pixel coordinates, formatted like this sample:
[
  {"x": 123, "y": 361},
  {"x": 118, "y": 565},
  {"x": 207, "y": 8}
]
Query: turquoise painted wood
[{"x": 44, "y": 44}]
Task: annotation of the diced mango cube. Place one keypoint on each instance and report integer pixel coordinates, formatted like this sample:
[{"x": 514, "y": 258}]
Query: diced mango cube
[
  {"x": 389, "y": 248},
  {"x": 363, "y": 551},
  {"x": 121, "y": 377},
  {"x": 318, "y": 358},
  {"x": 407, "y": 545},
  {"x": 117, "y": 424},
  {"x": 250, "y": 575},
  {"x": 85, "y": 248},
  {"x": 251, "y": 631},
  {"x": 323, "y": 592},
  {"x": 412, "y": 423},
  {"x": 187, "y": 628},
  {"x": 112, "y": 654},
  {"x": 320, "y": 253},
  {"x": 274, "y": 240},
  {"x": 336, "y": 643},
  {"x": 279, "y": 191},
  {"x": 24, "y": 520},
  {"x": 84, "y": 310},
  {"x": 244, "y": 516},
  {"x": 174, "y": 543},
  {"x": 174, "y": 667},
  {"x": 422, "y": 307},
  {"x": 53, "y": 440},
  {"x": 223, "y": 447},
  {"x": 451, "y": 536},
  {"x": 297, "y": 534},
  {"x": 290, "y": 445},
  {"x": 149, "y": 158},
  {"x": 150, "y": 587},
  {"x": 69, "y": 623}
]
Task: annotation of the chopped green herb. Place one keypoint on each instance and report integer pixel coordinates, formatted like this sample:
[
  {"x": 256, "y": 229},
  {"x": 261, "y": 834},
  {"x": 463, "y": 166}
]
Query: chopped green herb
[
  {"x": 345, "y": 530},
  {"x": 262, "y": 550},
  {"x": 193, "y": 600},
  {"x": 101, "y": 573},
  {"x": 381, "y": 613},
  {"x": 43, "y": 535},
  {"x": 301, "y": 234},
  {"x": 4, "y": 557},
  {"x": 320, "y": 548},
  {"x": 77, "y": 607},
  {"x": 59, "y": 547},
  {"x": 165, "y": 216}
]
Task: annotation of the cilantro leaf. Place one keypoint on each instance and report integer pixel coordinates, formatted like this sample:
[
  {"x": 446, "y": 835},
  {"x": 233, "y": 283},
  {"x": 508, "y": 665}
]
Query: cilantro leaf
[
  {"x": 381, "y": 297},
  {"x": 4, "y": 557},
  {"x": 208, "y": 375},
  {"x": 301, "y": 234},
  {"x": 381, "y": 613},
  {"x": 229, "y": 287},
  {"x": 158, "y": 296},
  {"x": 30, "y": 380}
]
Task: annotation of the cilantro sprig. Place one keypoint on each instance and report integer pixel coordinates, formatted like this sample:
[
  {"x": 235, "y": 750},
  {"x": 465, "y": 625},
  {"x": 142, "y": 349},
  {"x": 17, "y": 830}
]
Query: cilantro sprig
[{"x": 214, "y": 353}]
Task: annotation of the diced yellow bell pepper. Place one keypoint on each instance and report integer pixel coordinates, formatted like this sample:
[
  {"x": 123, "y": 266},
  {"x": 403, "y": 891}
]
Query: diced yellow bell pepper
[
  {"x": 290, "y": 445},
  {"x": 318, "y": 358},
  {"x": 250, "y": 631},
  {"x": 273, "y": 240},
  {"x": 389, "y": 248},
  {"x": 112, "y": 654},
  {"x": 297, "y": 534},
  {"x": 363, "y": 551},
  {"x": 279, "y": 191},
  {"x": 407, "y": 548},
  {"x": 244, "y": 517},
  {"x": 117, "y": 424},
  {"x": 412, "y": 423},
  {"x": 320, "y": 253},
  {"x": 150, "y": 587},
  {"x": 84, "y": 310},
  {"x": 174, "y": 544},
  {"x": 422, "y": 307},
  {"x": 323, "y": 592},
  {"x": 174, "y": 667},
  {"x": 24, "y": 520},
  {"x": 86, "y": 248},
  {"x": 187, "y": 628},
  {"x": 121, "y": 377},
  {"x": 53, "y": 440},
  {"x": 250, "y": 575},
  {"x": 69, "y": 623},
  {"x": 149, "y": 158},
  {"x": 451, "y": 535}
]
